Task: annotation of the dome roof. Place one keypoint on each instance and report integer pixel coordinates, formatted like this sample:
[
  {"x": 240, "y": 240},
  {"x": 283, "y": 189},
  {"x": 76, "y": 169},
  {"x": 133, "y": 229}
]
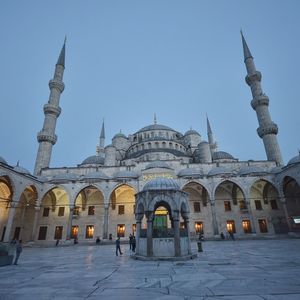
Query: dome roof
[
  {"x": 294, "y": 160},
  {"x": 218, "y": 171},
  {"x": 3, "y": 161},
  {"x": 155, "y": 127},
  {"x": 190, "y": 172},
  {"x": 96, "y": 175},
  {"x": 65, "y": 177},
  {"x": 276, "y": 170},
  {"x": 161, "y": 183},
  {"x": 158, "y": 164},
  {"x": 21, "y": 170},
  {"x": 191, "y": 131},
  {"x": 251, "y": 170},
  {"x": 93, "y": 160},
  {"x": 125, "y": 174},
  {"x": 120, "y": 135},
  {"x": 221, "y": 155},
  {"x": 42, "y": 178}
]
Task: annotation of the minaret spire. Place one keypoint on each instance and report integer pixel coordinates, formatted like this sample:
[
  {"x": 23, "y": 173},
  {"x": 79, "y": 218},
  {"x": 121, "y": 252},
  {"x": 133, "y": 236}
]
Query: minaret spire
[
  {"x": 155, "y": 120},
  {"x": 211, "y": 140},
  {"x": 47, "y": 137},
  {"x": 267, "y": 129},
  {"x": 102, "y": 135}
]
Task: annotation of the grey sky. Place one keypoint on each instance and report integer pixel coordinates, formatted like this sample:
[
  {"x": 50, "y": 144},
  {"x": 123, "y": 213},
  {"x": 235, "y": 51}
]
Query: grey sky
[{"x": 126, "y": 60}]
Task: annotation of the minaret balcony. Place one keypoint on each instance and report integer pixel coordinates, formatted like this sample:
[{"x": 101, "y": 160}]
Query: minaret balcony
[
  {"x": 270, "y": 128},
  {"x": 250, "y": 78},
  {"x": 261, "y": 100},
  {"x": 52, "y": 110},
  {"x": 43, "y": 136},
  {"x": 54, "y": 84}
]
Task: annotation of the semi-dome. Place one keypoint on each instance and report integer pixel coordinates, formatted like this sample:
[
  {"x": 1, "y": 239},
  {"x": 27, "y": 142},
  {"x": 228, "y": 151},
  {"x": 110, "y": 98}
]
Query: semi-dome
[
  {"x": 219, "y": 171},
  {"x": 251, "y": 170},
  {"x": 191, "y": 131},
  {"x": 120, "y": 135},
  {"x": 161, "y": 183},
  {"x": 3, "y": 161},
  {"x": 222, "y": 155},
  {"x": 155, "y": 127},
  {"x": 21, "y": 170},
  {"x": 158, "y": 164},
  {"x": 126, "y": 174},
  {"x": 294, "y": 160},
  {"x": 94, "y": 160},
  {"x": 65, "y": 177},
  {"x": 96, "y": 175},
  {"x": 190, "y": 172}
]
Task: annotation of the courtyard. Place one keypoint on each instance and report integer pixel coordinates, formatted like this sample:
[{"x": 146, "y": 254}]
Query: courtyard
[{"x": 242, "y": 269}]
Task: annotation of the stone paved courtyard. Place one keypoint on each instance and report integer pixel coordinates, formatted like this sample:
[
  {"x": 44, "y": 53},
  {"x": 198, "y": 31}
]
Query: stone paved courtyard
[{"x": 248, "y": 269}]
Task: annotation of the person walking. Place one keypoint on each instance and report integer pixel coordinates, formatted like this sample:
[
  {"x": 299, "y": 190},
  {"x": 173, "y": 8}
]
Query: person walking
[
  {"x": 133, "y": 243},
  {"x": 118, "y": 248},
  {"x": 19, "y": 249},
  {"x": 130, "y": 241}
]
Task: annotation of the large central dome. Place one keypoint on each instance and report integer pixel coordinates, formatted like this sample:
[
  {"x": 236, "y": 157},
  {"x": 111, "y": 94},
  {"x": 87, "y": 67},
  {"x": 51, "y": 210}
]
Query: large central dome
[{"x": 155, "y": 127}]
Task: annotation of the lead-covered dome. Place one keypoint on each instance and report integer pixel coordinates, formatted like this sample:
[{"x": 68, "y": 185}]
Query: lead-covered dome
[
  {"x": 219, "y": 171},
  {"x": 191, "y": 131},
  {"x": 294, "y": 160},
  {"x": 218, "y": 155},
  {"x": 155, "y": 127},
  {"x": 161, "y": 183},
  {"x": 158, "y": 164},
  {"x": 3, "y": 161},
  {"x": 21, "y": 170},
  {"x": 93, "y": 160},
  {"x": 190, "y": 173}
]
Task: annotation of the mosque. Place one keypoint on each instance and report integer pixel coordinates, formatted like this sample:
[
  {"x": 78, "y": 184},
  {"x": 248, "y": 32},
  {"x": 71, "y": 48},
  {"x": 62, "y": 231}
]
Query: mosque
[{"x": 97, "y": 198}]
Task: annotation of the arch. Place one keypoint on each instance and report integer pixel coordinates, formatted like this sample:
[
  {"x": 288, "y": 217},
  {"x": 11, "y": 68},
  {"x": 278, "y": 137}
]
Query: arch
[{"x": 193, "y": 188}]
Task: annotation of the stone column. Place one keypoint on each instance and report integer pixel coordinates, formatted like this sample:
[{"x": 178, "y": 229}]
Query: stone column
[
  {"x": 176, "y": 234},
  {"x": 137, "y": 235},
  {"x": 286, "y": 214},
  {"x": 251, "y": 217},
  {"x": 9, "y": 223},
  {"x": 105, "y": 225},
  {"x": 36, "y": 214},
  {"x": 187, "y": 226},
  {"x": 149, "y": 234},
  {"x": 69, "y": 224},
  {"x": 214, "y": 217}
]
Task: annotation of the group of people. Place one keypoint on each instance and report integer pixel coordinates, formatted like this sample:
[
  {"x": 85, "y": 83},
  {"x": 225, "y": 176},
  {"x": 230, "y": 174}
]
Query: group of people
[{"x": 132, "y": 244}]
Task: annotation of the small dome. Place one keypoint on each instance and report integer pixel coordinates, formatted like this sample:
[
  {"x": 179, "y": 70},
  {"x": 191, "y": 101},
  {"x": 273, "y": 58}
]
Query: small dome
[
  {"x": 125, "y": 174},
  {"x": 93, "y": 160},
  {"x": 96, "y": 175},
  {"x": 294, "y": 160},
  {"x": 161, "y": 184},
  {"x": 158, "y": 164},
  {"x": 191, "y": 131},
  {"x": 21, "y": 170},
  {"x": 221, "y": 155},
  {"x": 2, "y": 161},
  {"x": 251, "y": 170},
  {"x": 119, "y": 135},
  {"x": 42, "y": 178},
  {"x": 65, "y": 177},
  {"x": 219, "y": 171},
  {"x": 276, "y": 170},
  {"x": 190, "y": 172}
]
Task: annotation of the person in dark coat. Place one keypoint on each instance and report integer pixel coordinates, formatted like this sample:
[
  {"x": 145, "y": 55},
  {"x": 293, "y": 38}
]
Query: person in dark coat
[
  {"x": 130, "y": 241},
  {"x": 118, "y": 248},
  {"x": 133, "y": 243},
  {"x": 19, "y": 249}
]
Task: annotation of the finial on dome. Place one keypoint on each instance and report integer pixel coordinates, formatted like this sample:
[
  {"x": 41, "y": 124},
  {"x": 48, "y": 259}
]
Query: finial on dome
[{"x": 155, "y": 120}]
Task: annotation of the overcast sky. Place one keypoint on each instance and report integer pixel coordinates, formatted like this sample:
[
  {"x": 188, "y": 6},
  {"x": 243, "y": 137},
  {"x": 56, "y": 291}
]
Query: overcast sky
[{"x": 126, "y": 60}]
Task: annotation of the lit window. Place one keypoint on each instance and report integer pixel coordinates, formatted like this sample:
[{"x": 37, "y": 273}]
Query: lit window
[
  {"x": 263, "y": 225},
  {"x": 258, "y": 205},
  {"x": 61, "y": 211},
  {"x": 89, "y": 233},
  {"x": 197, "y": 207},
  {"x": 74, "y": 232},
  {"x": 121, "y": 230},
  {"x": 274, "y": 204},
  {"x": 58, "y": 232},
  {"x": 243, "y": 205},
  {"x": 182, "y": 226},
  {"x": 121, "y": 209},
  {"x": 227, "y": 205},
  {"x": 46, "y": 212},
  {"x": 42, "y": 233},
  {"x": 246, "y": 226},
  {"x": 231, "y": 226},
  {"x": 199, "y": 227},
  {"x": 76, "y": 211},
  {"x": 91, "y": 210},
  {"x": 133, "y": 228}
]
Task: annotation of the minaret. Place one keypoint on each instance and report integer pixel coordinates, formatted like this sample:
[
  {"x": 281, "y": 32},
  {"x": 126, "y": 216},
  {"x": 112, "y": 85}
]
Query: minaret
[
  {"x": 47, "y": 137},
  {"x": 212, "y": 144},
  {"x": 100, "y": 149},
  {"x": 267, "y": 129}
]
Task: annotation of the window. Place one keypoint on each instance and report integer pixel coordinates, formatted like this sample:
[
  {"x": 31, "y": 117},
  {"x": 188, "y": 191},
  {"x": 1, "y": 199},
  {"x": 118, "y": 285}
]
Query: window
[
  {"x": 76, "y": 211},
  {"x": 231, "y": 226},
  {"x": 121, "y": 230},
  {"x": 89, "y": 232},
  {"x": 199, "y": 227},
  {"x": 197, "y": 207},
  {"x": 42, "y": 233},
  {"x": 121, "y": 209},
  {"x": 61, "y": 211},
  {"x": 46, "y": 212},
  {"x": 258, "y": 205},
  {"x": 58, "y": 232},
  {"x": 74, "y": 232},
  {"x": 227, "y": 205},
  {"x": 243, "y": 205},
  {"x": 274, "y": 204},
  {"x": 133, "y": 228},
  {"x": 263, "y": 225},
  {"x": 247, "y": 226},
  {"x": 91, "y": 210},
  {"x": 182, "y": 225}
]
